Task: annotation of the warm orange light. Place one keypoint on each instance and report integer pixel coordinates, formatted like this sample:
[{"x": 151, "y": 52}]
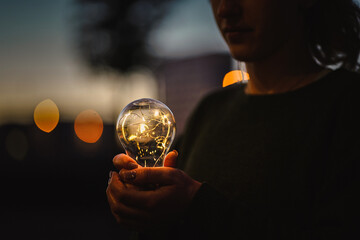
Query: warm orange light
[
  {"x": 88, "y": 126},
  {"x": 234, "y": 77},
  {"x": 246, "y": 76},
  {"x": 46, "y": 115}
]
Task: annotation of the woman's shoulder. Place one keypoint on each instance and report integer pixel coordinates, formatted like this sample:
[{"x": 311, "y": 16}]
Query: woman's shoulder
[
  {"x": 214, "y": 102},
  {"x": 347, "y": 83},
  {"x": 337, "y": 86},
  {"x": 344, "y": 91},
  {"x": 344, "y": 79}
]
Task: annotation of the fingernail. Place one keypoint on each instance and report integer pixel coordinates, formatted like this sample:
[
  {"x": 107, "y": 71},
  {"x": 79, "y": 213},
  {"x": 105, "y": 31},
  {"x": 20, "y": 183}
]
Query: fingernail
[
  {"x": 176, "y": 152},
  {"x": 110, "y": 176},
  {"x": 129, "y": 175},
  {"x": 132, "y": 165}
]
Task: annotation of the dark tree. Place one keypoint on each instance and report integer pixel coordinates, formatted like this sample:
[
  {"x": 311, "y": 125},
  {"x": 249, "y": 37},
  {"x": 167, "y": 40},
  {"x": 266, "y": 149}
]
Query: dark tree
[{"x": 113, "y": 33}]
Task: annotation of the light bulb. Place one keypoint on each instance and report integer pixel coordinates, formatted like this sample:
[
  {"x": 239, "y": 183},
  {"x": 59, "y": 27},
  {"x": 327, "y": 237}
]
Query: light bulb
[{"x": 146, "y": 129}]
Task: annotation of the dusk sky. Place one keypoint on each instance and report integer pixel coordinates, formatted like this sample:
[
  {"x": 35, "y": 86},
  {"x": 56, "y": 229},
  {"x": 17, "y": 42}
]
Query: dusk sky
[{"x": 38, "y": 58}]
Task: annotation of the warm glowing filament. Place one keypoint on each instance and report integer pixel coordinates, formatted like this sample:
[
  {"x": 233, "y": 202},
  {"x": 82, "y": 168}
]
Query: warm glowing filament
[
  {"x": 146, "y": 129},
  {"x": 132, "y": 137},
  {"x": 167, "y": 135},
  {"x": 142, "y": 128}
]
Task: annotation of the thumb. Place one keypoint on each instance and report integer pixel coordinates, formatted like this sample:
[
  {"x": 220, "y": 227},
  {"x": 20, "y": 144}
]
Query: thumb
[
  {"x": 170, "y": 159},
  {"x": 150, "y": 175}
]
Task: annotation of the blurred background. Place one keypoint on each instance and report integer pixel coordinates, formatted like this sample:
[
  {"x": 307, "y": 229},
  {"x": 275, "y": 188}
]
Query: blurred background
[{"x": 90, "y": 55}]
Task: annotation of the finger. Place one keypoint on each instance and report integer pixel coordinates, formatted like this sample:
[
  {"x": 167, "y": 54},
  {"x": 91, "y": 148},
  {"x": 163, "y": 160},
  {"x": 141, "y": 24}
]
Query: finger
[
  {"x": 150, "y": 175},
  {"x": 121, "y": 161},
  {"x": 170, "y": 159},
  {"x": 117, "y": 192},
  {"x": 116, "y": 187},
  {"x": 125, "y": 212}
]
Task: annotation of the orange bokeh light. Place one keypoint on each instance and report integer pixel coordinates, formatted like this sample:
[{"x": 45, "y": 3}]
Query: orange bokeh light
[
  {"x": 88, "y": 126},
  {"x": 234, "y": 77},
  {"x": 46, "y": 115}
]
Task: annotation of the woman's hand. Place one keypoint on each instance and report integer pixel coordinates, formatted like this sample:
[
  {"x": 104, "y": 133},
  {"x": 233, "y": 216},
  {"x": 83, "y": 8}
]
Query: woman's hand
[{"x": 142, "y": 209}]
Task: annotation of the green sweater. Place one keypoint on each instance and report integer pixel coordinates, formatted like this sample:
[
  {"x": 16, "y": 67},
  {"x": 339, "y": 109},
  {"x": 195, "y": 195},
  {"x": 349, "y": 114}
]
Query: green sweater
[{"x": 282, "y": 166}]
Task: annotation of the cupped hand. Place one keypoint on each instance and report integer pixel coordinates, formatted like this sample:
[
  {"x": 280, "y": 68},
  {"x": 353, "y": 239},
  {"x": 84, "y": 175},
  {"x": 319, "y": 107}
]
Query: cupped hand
[{"x": 141, "y": 209}]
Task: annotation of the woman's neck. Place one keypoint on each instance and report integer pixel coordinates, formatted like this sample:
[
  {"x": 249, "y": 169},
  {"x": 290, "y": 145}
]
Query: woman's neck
[{"x": 290, "y": 68}]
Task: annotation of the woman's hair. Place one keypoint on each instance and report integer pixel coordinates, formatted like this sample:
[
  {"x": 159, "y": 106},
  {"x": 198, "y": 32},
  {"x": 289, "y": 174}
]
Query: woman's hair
[{"x": 333, "y": 31}]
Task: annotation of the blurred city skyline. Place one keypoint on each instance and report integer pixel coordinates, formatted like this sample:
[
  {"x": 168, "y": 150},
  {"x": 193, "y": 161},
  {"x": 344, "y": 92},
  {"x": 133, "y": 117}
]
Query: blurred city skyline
[{"x": 39, "y": 59}]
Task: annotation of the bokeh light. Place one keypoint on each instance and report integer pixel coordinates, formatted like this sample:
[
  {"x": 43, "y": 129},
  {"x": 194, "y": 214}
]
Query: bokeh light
[
  {"x": 16, "y": 144},
  {"x": 46, "y": 115},
  {"x": 234, "y": 77},
  {"x": 88, "y": 126}
]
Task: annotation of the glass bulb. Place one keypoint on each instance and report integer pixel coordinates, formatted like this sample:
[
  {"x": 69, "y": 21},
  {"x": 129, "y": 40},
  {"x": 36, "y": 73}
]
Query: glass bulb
[{"x": 146, "y": 129}]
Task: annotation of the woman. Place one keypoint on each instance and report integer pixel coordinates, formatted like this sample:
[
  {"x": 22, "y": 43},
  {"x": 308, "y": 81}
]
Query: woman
[{"x": 275, "y": 159}]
